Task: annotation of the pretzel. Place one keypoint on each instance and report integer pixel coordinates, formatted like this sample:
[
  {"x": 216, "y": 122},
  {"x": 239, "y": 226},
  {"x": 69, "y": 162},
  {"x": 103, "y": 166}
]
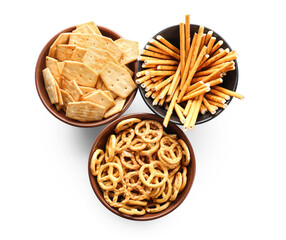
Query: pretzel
[
  {"x": 137, "y": 144},
  {"x": 139, "y": 210},
  {"x": 123, "y": 140},
  {"x": 156, "y": 207},
  {"x": 109, "y": 181},
  {"x": 165, "y": 195},
  {"x": 124, "y": 124},
  {"x": 177, "y": 182},
  {"x": 96, "y": 160},
  {"x": 118, "y": 197},
  {"x": 184, "y": 178},
  {"x": 143, "y": 159},
  {"x": 128, "y": 160},
  {"x": 150, "y": 131},
  {"x": 187, "y": 157},
  {"x": 150, "y": 149},
  {"x": 110, "y": 148},
  {"x": 156, "y": 169}
]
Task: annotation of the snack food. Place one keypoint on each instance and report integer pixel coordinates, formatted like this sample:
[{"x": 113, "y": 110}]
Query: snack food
[
  {"x": 142, "y": 168},
  {"x": 73, "y": 71},
  {"x": 185, "y": 80}
]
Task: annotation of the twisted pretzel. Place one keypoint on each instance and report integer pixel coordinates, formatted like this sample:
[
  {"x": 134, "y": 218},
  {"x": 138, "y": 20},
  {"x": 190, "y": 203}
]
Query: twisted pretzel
[
  {"x": 96, "y": 161},
  {"x": 150, "y": 131}
]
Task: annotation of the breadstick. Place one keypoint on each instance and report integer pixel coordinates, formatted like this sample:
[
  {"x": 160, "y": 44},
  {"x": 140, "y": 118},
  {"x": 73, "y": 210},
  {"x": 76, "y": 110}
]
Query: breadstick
[
  {"x": 142, "y": 73},
  {"x": 216, "y": 47},
  {"x": 217, "y": 72},
  {"x": 166, "y": 67},
  {"x": 148, "y": 94},
  {"x": 154, "y": 54},
  {"x": 163, "y": 93},
  {"x": 164, "y": 83},
  {"x": 210, "y": 44},
  {"x": 179, "y": 113},
  {"x": 167, "y": 43},
  {"x": 187, "y": 108},
  {"x": 196, "y": 112},
  {"x": 164, "y": 48},
  {"x": 215, "y": 98},
  {"x": 191, "y": 73},
  {"x": 208, "y": 37},
  {"x": 220, "y": 94},
  {"x": 182, "y": 47},
  {"x": 143, "y": 58},
  {"x": 215, "y": 82},
  {"x": 142, "y": 79},
  {"x": 202, "y": 42},
  {"x": 187, "y": 34},
  {"x": 228, "y": 58},
  {"x": 154, "y": 73},
  {"x": 189, "y": 116},
  {"x": 214, "y": 59},
  {"x": 197, "y": 46},
  {"x": 220, "y": 105},
  {"x": 210, "y": 107},
  {"x": 155, "y": 49},
  {"x": 149, "y": 65},
  {"x": 170, "y": 108},
  {"x": 163, "y": 62},
  {"x": 175, "y": 81},
  {"x": 203, "y": 109},
  {"x": 146, "y": 83},
  {"x": 194, "y": 94},
  {"x": 194, "y": 86},
  {"x": 229, "y": 92}
]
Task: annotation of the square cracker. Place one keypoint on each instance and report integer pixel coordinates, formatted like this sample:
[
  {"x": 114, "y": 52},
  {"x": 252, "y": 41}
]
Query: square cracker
[
  {"x": 78, "y": 54},
  {"x": 97, "y": 58},
  {"x": 53, "y": 65},
  {"x": 117, "y": 108},
  {"x": 50, "y": 85},
  {"x": 99, "y": 97},
  {"x": 65, "y": 52},
  {"x": 63, "y": 38},
  {"x": 67, "y": 98},
  {"x": 80, "y": 72},
  {"x": 92, "y": 25},
  {"x": 106, "y": 44},
  {"x": 79, "y": 39},
  {"x": 84, "y": 28},
  {"x": 85, "y": 111},
  {"x": 129, "y": 48},
  {"x": 117, "y": 80},
  {"x": 72, "y": 88}
]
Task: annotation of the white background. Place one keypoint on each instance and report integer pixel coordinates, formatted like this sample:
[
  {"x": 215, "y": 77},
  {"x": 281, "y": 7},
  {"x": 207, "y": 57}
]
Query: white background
[{"x": 239, "y": 188}]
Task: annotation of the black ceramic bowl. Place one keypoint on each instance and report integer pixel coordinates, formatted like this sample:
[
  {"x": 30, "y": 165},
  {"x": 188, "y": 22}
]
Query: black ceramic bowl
[{"x": 229, "y": 81}]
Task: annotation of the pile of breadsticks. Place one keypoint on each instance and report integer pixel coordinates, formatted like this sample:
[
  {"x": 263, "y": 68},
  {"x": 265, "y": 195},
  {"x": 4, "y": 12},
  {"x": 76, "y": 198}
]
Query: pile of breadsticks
[{"x": 187, "y": 79}]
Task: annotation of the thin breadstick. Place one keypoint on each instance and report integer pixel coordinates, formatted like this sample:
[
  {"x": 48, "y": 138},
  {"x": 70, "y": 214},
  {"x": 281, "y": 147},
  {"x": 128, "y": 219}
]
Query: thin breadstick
[
  {"x": 156, "y": 98},
  {"x": 142, "y": 73},
  {"x": 163, "y": 62},
  {"x": 196, "y": 112},
  {"x": 149, "y": 65},
  {"x": 179, "y": 113},
  {"x": 208, "y": 37},
  {"x": 220, "y": 94},
  {"x": 189, "y": 116},
  {"x": 182, "y": 47},
  {"x": 215, "y": 98},
  {"x": 159, "y": 73},
  {"x": 164, "y": 83},
  {"x": 216, "y": 72},
  {"x": 203, "y": 109},
  {"x": 210, "y": 107},
  {"x": 194, "y": 94},
  {"x": 216, "y": 47},
  {"x": 161, "y": 102},
  {"x": 215, "y": 82},
  {"x": 187, "y": 108},
  {"x": 202, "y": 42},
  {"x": 148, "y": 94},
  {"x": 205, "y": 58},
  {"x": 214, "y": 58},
  {"x": 191, "y": 73},
  {"x": 167, "y": 43},
  {"x": 220, "y": 105},
  {"x": 157, "y": 78},
  {"x": 166, "y": 49},
  {"x": 175, "y": 81},
  {"x": 156, "y": 84},
  {"x": 217, "y": 51},
  {"x": 197, "y": 46},
  {"x": 170, "y": 109},
  {"x": 187, "y": 34},
  {"x": 229, "y": 92},
  {"x": 210, "y": 44},
  {"x": 228, "y": 58},
  {"x": 142, "y": 79},
  {"x": 194, "y": 86},
  {"x": 155, "y": 49},
  {"x": 146, "y": 83},
  {"x": 163, "y": 93},
  {"x": 166, "y": 67},
  {"x": 154, "y": 54}
]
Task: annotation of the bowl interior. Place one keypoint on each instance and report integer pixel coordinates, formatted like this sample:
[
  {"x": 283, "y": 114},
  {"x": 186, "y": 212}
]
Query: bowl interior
[
  {"x": 45, "y": 98},
  {"x": 172, "y": 128},
  {"x": 229, "y": 81}
]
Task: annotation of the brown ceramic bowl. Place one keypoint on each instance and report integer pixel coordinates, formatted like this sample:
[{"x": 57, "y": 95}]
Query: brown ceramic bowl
[
  {"x": 100, "y": 143},
  {"x": 230, "y": 81},
  {"x": 61, "y": 114}
]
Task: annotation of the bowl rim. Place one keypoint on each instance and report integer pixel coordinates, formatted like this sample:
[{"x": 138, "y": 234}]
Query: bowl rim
[
  {"x": 51, "y": 108},
  {"x": 191, "y": 170},
  {"x": 220, "y": 110}
]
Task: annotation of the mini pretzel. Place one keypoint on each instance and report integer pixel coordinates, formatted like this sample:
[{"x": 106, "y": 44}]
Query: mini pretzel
[
  {"x": 184, "y": 178},
  {"x": 109, "y": 181},
  {"x": 137, "y": 144},
  {"x": 150, "y": 149},
  {"x": 112, "y": 198},
  {"x": 166, "y": 193},
  {"x": 155, "y": 169},
  {"x": 176, "y": 186},
  {"x": 96, "y": 160},
  {"x": 122, "y": 142},
  {"x": 143, "y": 159},
  {"x": 186, "y": 160},
  {"x": 132, "y": 210},
  {"x": 124, "y": 124},
  {"x": 171, "y": 157},
  {"x": 150, "y": 131},
  {"x": 128, "y": 160},
  {"x": 110, "y": 148},
  {"x": 156, "y": 207}
]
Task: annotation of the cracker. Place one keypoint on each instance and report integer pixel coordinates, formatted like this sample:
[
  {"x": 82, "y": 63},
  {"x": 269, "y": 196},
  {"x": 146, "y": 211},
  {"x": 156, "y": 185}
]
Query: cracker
[
  {"x": 65, "y": 52},
  {"x": 53, "y": 65},
  {"x": 85, "y": 111},
  {"x": 116, "y": 109},
  {"x": 67, "y": 98},
  {"x": 129, "y": 48},
  {"x": 80, "y": 72},
  {"x": 86, "y": 90},
  {"x": 61, "y": 66},
  {"x": 99, "y": 97},
  {"x": 63, "y": 38},
  {"x": 117, "y": 80},
  {"x": 85, "y": 29},
  {"x": 79, "y": 39},
  {"x": 72, "y": 88},
  {"x": 92, "y": 25},
  {"x": 104, "y": 88},
  {"x": 97, "y": 58},
  {"x": 106, "y": 44},
  {"x": 128, "y": 70},
  {"x": 50, "y": 85},
  {"x": 78, "y": 54}
]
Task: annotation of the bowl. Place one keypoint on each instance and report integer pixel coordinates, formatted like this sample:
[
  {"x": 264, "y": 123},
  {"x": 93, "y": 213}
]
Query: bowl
[
  {"x": 100, "y": 142},
  {"x": 40, "y": 86},
  {"x": 229, "y": 81}
]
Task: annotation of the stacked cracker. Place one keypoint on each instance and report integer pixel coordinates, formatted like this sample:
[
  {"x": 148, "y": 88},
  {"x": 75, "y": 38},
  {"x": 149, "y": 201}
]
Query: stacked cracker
[
  {"x": 86, "y": 74},
  {"x": 187, "y": 79}
]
